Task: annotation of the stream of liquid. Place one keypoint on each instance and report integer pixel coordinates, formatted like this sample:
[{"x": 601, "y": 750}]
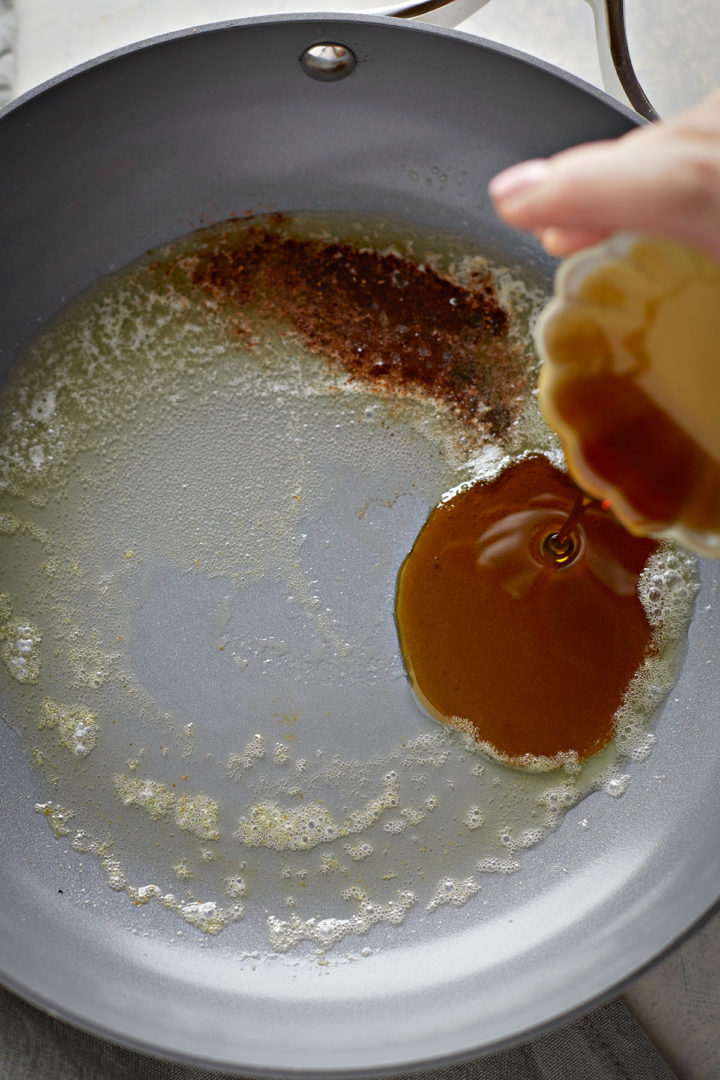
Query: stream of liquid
[{"x": 561, "y": 544}]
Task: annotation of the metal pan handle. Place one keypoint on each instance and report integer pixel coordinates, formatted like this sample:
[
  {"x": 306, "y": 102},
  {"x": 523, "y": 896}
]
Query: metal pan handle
[{"x": 618, "y": 75}]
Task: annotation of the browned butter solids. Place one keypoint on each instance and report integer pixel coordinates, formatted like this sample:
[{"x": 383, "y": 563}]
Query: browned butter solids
[{"x": 531, "y": 641}]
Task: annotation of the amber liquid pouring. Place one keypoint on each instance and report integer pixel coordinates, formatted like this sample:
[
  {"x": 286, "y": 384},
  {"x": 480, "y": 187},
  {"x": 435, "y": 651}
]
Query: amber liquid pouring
[
  {"x": 518, "y": 612},
  {"x": 560, "y": 546}
]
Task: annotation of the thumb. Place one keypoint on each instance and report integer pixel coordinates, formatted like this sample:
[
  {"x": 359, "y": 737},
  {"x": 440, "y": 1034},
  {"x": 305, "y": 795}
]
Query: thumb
[{"x": 663, "y": 179}]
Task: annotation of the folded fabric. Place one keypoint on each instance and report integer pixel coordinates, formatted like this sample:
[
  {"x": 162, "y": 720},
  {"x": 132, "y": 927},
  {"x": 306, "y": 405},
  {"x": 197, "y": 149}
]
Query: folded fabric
[{"x": 606, "y": 1044}]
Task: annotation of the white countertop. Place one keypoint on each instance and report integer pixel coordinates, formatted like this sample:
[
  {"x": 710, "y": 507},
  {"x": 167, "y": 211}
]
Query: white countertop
[{"x": 675, "y": 50}]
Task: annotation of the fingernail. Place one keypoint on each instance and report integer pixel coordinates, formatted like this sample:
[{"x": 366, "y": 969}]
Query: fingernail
[{"x": 517, "y": 179}]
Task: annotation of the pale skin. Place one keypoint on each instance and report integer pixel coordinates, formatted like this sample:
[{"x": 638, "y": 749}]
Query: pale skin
[{"x": 662, "y": 179}]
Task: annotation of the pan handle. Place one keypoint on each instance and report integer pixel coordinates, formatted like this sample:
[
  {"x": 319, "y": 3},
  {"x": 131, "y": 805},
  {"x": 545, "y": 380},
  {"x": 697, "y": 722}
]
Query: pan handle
[
  {"x": 618, "y": 74},
  {"x": 447, "y": 12}
]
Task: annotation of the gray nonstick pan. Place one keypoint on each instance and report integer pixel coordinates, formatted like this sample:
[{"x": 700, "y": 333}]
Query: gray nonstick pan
[{"x": 239, "y": 711}]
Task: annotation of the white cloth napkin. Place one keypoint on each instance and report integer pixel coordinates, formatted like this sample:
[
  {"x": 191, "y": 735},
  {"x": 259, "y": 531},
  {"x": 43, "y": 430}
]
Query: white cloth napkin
[
  {"x": 7, "y": 41},
  {"x": 606, "y": 1044}
]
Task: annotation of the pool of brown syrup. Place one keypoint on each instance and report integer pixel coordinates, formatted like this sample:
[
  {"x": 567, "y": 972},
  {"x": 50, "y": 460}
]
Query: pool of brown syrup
[{"x": 531, "y": 642}]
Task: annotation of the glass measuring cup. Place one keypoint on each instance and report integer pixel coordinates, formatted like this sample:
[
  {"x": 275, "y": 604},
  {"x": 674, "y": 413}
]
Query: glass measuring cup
[{"x": 630, "y": 381}]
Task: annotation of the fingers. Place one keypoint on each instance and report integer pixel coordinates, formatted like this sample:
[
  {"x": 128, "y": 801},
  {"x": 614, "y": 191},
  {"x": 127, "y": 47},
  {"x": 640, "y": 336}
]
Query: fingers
[
  {"x": 559, "y": 241},
  {"x": 663, "y": 179}
]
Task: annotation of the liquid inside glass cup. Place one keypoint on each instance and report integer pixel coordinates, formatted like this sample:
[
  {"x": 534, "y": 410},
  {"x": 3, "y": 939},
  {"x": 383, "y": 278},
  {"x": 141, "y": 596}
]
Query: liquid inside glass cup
[{"x": 631, "y": 383}]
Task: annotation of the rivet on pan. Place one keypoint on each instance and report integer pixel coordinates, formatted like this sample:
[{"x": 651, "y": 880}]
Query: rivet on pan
[{"x": 327, "y": 62}]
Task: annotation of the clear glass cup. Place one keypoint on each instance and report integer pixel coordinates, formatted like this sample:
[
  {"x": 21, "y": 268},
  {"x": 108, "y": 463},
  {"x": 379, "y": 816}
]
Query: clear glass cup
[{"x": 630, "y": 381}]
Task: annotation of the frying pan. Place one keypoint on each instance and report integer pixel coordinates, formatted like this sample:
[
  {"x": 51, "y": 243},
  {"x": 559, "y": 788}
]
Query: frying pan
[{"x": 127, "y": 154}]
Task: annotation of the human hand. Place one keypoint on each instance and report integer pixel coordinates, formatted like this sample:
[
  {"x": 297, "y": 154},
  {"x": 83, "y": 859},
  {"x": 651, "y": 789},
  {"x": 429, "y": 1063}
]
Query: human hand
[{"x": 662, "y": 179}]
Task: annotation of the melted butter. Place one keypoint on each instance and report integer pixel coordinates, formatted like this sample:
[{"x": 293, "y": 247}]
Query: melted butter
[
  {"x": 531, "y": 640},
  {"x": 200, "y": 532},
  {"x": 631, "y": 382}
]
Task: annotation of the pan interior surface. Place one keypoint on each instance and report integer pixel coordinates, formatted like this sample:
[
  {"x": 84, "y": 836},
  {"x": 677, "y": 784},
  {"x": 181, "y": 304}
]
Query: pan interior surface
[{"x": 255, "y": 821}]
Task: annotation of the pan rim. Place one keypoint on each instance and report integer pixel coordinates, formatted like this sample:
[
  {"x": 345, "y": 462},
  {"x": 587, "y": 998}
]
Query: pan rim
[
  {"x": 313, "y": 18},
  {"x": 412, "y": 1067}
]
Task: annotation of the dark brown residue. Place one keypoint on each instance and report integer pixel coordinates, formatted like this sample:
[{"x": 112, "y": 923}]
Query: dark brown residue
[{"x": 386, "y": 320}]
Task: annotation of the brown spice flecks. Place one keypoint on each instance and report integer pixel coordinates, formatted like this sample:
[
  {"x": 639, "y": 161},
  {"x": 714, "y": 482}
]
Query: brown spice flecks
[{"x": 385, "y": 319}]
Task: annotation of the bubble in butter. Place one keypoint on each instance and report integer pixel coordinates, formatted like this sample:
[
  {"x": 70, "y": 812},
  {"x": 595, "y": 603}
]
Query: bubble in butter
[{"x": 631, "y": 383}]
